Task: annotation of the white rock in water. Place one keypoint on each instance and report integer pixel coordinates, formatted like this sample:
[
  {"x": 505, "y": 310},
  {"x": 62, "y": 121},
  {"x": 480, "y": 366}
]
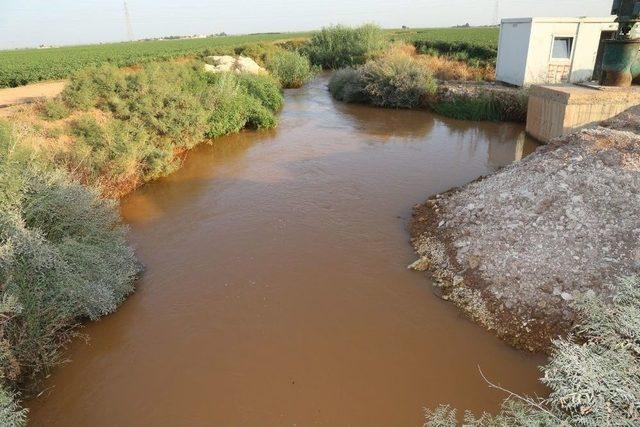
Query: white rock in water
[
  {"x": 226, "y": 63},
  {"x": 566, "y": 296}
]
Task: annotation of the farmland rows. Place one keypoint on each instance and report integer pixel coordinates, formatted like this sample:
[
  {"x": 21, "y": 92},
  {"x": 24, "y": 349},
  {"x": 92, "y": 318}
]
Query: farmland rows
[{"x": 19, "y": 67}]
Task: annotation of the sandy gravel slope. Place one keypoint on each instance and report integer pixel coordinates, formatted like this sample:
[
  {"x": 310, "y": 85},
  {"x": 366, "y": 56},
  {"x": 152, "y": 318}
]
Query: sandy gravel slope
[{"x": 515, "y": 249}]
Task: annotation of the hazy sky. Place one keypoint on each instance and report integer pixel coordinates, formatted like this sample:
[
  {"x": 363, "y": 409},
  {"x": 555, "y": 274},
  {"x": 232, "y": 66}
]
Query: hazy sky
[{"x": 57, "y": 22}]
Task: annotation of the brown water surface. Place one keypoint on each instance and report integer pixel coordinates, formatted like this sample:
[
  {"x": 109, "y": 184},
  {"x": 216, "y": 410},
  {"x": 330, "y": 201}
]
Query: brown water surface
[{"x": 276, "y": 291}]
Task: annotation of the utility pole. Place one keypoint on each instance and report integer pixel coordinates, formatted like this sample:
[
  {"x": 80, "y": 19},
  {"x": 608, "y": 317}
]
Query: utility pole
[
  {"x": 496, "y": 13},
  {"x": 128, "y": 20}
]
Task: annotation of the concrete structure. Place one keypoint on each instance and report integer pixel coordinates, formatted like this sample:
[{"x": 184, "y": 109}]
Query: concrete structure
[
  {"x": 561, "y": 109},
  {"x": 551, "y": 50}
]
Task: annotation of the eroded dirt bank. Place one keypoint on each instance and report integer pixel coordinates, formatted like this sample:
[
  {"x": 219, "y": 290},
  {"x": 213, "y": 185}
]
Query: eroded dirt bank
[{"x": 514, "y": 250}]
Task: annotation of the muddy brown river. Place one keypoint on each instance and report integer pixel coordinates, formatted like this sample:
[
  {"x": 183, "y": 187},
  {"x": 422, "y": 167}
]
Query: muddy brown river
[{"x": 276, "y": 290}]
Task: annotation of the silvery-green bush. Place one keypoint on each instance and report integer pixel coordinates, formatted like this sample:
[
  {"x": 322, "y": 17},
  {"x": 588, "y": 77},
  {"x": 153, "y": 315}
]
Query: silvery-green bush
[
  {"x": 63, "y": 258},
  {"x": 393, "y": 81},
  {"x": 594, "y": 374}
]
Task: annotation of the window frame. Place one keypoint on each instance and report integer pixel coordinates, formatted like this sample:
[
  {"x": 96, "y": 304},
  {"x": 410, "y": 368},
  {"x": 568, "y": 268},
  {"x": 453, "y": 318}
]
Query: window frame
[{"x": 554, "y": 37}]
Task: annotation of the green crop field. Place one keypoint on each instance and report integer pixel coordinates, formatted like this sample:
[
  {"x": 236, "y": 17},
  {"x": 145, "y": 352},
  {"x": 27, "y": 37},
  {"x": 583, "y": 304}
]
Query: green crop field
[
  {"x": 478, "y": 45},
  {"x": 481, "y": 36},
  {"x": 22, "y": 66}
]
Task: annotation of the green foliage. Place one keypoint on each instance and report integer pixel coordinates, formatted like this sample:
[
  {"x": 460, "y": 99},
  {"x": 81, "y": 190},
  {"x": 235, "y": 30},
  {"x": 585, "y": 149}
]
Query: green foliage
[
  {"x": 482, "y": 36},
  {"x": 239, "y": 101},
  {"x": 397, "y": 82},
  {"x": 19, "y": 67},
  {"x": 92, "y": 86},
  {"x": 55, "y": 109},
  {"x": 394, "y": 81},
  {"x": 265, "y": 88},
  {"x": 63, "y": 254},
  {"x": 11, "y": 414},
  {"x": 154, "y": 114},
  {"x": 347, "y": 86},
  {"x": 463, "y": 51},
  {"x": 259, "y": 52},
  {"x": 594, "y": 375},
  {"x": 290, "y": 68},
  {"x": 489, "y": 106},
  {"x": 340, "y": 46},
  {"x": 478, "y": 46},
  {"x": 63, "y": 257},
  {"x": 295, "y": 45}
]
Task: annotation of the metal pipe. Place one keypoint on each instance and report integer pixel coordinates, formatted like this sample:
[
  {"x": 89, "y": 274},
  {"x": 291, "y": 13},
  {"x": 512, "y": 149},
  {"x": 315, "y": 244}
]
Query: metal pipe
[{"x": 621, "y": 60}]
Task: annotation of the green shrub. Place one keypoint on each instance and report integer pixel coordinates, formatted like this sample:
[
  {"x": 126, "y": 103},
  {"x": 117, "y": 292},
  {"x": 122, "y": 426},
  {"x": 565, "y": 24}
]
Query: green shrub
[
  {"x": 238, "y": 101},
  {"x": 11, "y": 414},
  {"x": 265, "y": 88},
  {"x": 341, "y": 46},
  {"x": 481, "y": 54},
  {"x": 397, "y": 82},
  {"x": 347, "y": 86},
  {"x": 63, "y": 257},
  {"x": 63, "y": 254},
  {"x": 155, "y": 113},
  {"x": 295, "y": 45},
  {"x": 594, "y": 375},
  {"x": 88, "y": 131},
  {"x": 394, "y": 81},
  {"x": 92, "y": 87},
  {"x": 489, "y": 106},
  {"x": 55, "y": 109},
  {"x": 290, "y": 68}
]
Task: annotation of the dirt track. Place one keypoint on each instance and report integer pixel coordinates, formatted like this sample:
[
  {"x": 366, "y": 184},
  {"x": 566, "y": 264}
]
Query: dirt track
[{"x": 30, "y": 93}]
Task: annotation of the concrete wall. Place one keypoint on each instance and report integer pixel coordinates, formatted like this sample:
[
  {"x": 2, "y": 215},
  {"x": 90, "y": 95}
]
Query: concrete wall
[
  {"x": 558, "y": 110},
  {"x": 526, "y": 59}
]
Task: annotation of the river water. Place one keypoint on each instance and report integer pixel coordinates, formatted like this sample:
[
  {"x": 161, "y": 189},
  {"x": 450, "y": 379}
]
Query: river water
[{"x": 276, "y": 291}]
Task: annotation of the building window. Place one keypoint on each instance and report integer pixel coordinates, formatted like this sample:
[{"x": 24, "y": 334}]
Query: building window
[{"x": 562, "y": 47}]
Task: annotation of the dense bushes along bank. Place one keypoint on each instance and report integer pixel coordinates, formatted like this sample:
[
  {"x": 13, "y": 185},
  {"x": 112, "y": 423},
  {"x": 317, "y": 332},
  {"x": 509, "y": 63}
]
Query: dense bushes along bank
[
  {"x": 399, "y": 78},
  {"x": 128, "y": 128},
  {"x": 63, "y": 253}
]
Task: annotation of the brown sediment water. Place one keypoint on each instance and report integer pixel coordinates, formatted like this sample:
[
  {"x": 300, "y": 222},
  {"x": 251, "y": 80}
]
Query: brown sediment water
[{"x": 276, "y": 291}]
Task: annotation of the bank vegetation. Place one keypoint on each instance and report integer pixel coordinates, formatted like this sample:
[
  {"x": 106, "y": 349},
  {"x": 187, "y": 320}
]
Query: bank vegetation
[
  {"x": 64, "y": 257},
  {"x": 454, "y": 83}
]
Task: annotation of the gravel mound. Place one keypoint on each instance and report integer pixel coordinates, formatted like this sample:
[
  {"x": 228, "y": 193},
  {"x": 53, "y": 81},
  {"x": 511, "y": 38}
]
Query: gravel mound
[{"x": 516, "y": 248}]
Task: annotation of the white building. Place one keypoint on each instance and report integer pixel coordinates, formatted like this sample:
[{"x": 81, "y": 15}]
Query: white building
[{"x": 551, "y": 50}]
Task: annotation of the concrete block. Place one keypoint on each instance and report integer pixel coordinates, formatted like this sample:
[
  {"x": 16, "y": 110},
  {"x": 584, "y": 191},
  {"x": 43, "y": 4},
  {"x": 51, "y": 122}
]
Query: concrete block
[{"x": 556, "y": 110}]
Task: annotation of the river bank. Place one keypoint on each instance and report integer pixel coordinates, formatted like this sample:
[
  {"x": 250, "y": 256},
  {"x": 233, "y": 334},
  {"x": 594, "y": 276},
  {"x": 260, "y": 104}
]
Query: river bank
[
  {"x": 64, "y": 255},
  {"x": 515, "y": 249}
]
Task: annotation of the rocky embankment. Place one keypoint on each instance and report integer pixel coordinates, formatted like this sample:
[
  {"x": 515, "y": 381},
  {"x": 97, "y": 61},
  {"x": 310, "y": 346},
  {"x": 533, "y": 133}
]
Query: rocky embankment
[{"x": 515, "y": 249}]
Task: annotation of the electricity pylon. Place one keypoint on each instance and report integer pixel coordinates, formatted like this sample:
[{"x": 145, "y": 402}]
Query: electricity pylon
[{"x": 128, "y": 19}]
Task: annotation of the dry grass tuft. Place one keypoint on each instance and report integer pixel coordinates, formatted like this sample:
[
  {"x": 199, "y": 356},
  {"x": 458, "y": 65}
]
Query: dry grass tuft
[{"x": 444, "y": 67}]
